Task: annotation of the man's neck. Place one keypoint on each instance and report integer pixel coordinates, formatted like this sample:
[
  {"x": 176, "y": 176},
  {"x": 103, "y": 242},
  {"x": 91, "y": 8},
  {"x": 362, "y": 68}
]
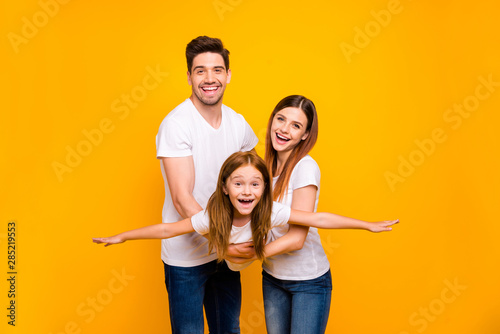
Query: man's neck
[{"x": 211, "y": 114}]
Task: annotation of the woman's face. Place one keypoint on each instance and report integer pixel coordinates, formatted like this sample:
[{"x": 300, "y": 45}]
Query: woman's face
[
  {"x": 288, "y": 129},
  {"x": 244, "y": 187}
]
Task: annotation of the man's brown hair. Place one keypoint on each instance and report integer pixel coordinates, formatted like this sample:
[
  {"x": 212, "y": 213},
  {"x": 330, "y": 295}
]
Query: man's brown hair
[{"x": 204, "y": 44}]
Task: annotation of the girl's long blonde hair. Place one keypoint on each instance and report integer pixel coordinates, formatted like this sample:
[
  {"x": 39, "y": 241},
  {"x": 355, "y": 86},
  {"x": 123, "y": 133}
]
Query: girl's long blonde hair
[
  {"x": 220, "y": 210},
  {"x": 299, "y": 151}
]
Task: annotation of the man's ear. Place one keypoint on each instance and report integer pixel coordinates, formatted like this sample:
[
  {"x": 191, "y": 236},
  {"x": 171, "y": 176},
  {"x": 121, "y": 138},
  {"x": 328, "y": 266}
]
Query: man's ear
[
  {"x": 189, "y": 78},
  {"x": 228, "y": 80}
]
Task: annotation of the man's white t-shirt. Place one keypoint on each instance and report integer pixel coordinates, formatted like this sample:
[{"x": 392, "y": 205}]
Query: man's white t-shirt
[
  {"x": 239, "y": 234},
  {"x": 184, "y": 132},
  {"x": 309, "y": 262}
]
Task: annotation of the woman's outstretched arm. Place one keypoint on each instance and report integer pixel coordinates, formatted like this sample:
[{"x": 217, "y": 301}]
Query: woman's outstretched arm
[
  {"x": 157, "y": 231},
  {"x": 328, "y": 220}
]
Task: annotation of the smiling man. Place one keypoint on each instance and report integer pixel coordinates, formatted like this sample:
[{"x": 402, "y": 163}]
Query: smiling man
[{"x": 193, "y": 141}]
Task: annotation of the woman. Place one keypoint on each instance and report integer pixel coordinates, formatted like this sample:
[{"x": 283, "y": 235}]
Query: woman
[{"x": 296, "y": 278}]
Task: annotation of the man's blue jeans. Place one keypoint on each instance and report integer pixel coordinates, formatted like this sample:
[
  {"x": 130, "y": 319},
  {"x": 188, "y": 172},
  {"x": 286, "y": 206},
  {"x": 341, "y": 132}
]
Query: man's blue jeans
[
  {"x": 296, "y": 307},
  {"x": 212, "y": 285}
]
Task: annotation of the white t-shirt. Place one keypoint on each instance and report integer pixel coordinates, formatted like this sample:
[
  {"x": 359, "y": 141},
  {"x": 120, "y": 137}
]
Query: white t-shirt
[
  {"x": 239, "y": 234},
  {"x": 309, "y": 262},
  {"x": 184, "y": 132}
]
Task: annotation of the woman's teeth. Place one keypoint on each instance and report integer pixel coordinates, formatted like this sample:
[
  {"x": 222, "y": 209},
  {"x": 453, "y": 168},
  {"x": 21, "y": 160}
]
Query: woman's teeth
[{"x": 281, "y": 137}]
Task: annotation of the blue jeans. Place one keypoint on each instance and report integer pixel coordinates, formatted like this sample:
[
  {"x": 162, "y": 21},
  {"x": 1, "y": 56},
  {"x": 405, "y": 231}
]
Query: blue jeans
[
  {"x": 296, "y": 307},
  {"x": 212, "y": 285}
]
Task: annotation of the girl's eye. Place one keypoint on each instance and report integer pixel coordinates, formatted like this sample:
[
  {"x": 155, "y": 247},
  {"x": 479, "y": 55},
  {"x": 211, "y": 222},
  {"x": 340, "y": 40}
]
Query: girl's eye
[
  {"x": 237, "y": 184},
  {"x": 256, "y": 184},
  {"x": 279, "y": 118},
  {"x": 296, "y": 126}
]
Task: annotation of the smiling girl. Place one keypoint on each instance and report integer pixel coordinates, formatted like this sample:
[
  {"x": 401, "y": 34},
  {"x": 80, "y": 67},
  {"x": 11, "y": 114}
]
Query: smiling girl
[{"x": 241, "y": 209}]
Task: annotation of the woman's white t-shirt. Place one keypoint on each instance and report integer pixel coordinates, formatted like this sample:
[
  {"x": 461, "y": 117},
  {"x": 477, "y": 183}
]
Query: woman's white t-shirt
[
  {"x": 309, "y": 262},
  {"x": 239, "y": 234}
]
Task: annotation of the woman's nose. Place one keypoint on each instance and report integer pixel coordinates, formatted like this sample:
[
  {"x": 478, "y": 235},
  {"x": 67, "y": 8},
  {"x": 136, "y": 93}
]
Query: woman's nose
[{"x": 285, "y": 128}]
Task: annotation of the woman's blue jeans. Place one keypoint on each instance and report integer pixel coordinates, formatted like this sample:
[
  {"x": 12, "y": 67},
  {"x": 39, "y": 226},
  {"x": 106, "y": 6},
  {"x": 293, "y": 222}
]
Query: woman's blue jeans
[
  {"x": 296, "y": 307},
  {"x": 212, "y": 285}
]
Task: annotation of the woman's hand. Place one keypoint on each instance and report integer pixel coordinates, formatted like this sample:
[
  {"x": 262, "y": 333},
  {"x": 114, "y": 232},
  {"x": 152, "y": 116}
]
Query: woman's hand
[
  {"x": 116, "y": 239},
  {"x": 241, "y": 253},
  {"x": 381, "y": 226}
]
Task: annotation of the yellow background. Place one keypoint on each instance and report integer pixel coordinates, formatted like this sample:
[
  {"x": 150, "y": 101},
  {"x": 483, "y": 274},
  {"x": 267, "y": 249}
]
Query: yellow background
[{"x": 374, "y": 105}]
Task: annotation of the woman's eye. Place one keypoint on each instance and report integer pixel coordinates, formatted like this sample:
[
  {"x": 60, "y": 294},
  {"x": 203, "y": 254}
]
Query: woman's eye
[{"x": 296, "y": 126}]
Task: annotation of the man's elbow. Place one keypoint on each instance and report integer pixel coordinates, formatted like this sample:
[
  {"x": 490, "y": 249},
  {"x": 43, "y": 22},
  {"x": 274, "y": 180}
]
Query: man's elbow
[{"x": 178, "y": 205}]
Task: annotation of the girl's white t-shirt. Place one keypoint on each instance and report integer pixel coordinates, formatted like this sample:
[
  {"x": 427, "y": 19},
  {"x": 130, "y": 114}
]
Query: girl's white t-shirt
[
  {"x": 309, "y": 262},
  {"x": 239, "y": 234}
]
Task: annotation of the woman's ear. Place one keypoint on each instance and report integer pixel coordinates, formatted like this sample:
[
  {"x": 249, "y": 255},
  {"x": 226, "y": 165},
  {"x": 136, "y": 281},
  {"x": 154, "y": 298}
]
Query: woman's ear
[
  {"x": 224, "y": 189},
  {"x": 305, "y": 135}
]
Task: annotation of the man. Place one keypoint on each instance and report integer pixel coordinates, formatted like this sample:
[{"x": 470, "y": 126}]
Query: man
[{"x": 193, "y": 141}]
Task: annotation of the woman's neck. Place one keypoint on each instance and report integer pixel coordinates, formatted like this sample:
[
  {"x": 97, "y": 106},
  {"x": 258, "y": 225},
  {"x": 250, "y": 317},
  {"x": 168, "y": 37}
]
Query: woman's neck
[{"x": 281, "y": 159}]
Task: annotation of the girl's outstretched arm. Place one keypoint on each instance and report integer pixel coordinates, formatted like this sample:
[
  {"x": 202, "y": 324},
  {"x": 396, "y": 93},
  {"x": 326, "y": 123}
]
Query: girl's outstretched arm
[
  {"x": 157, "y": 231},
  {"x": 333, "y": 221}
]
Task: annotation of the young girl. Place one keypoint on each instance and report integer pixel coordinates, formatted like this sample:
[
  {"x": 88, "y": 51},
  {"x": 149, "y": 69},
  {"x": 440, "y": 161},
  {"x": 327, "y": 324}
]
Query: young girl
[{"x": 241, "y": 209}]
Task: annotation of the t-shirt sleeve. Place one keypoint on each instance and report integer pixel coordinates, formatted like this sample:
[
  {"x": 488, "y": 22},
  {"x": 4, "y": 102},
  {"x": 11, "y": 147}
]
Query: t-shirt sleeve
[
  {"x": 172, "y": 140},
  {"x": 200, "y": 222},
  {"x": 306, "y": 173},
  {"x": 280, "y": 214},
  {"x": 250, "y": 140}
]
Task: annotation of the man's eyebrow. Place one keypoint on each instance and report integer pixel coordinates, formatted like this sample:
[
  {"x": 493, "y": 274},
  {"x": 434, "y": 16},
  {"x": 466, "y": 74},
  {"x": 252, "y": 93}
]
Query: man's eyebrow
[{"x": 203, "y": 67}]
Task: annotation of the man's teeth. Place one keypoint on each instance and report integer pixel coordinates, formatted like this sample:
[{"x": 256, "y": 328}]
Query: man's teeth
[
  {"x": 210, "y": 88},
  {"x": 281, "y": 137}
]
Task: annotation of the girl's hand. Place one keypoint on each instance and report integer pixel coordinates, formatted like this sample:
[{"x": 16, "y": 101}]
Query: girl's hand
[
  {"x": 108, "y": 241},
  {"x": 382, "y": 226}
]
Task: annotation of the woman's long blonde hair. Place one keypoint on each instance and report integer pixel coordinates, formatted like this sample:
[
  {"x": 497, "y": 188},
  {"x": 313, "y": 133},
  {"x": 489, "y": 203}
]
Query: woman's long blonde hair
[
  {"x": 299, "y": 151},
  {"x": 221, "y": 211}
]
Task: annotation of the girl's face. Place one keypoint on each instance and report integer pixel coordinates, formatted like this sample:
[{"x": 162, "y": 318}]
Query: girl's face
[
  {"x": 288, "y": 129},
  {"x": 245, "y": 187}
]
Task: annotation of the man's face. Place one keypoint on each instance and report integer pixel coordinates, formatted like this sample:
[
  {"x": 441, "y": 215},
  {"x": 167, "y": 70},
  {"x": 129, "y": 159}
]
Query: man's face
[{"x": 208, "y": 78}]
